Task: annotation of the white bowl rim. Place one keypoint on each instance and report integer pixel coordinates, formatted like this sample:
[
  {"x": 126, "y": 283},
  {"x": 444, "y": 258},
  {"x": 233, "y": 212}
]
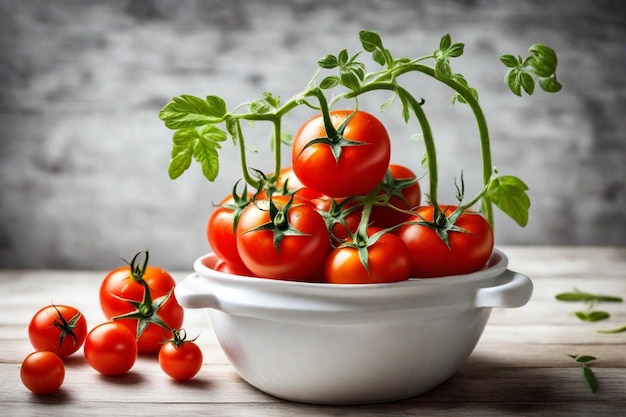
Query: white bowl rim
[{"x": 496, "y": 265}]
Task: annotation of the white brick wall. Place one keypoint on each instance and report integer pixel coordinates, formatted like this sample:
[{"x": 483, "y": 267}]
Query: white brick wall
[{"x": 83, "y": 155}]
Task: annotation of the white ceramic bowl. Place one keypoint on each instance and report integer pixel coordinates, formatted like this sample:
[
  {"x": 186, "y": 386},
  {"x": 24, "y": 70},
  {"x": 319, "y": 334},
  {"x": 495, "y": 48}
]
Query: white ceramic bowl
[{"x": 350, "y": 344}]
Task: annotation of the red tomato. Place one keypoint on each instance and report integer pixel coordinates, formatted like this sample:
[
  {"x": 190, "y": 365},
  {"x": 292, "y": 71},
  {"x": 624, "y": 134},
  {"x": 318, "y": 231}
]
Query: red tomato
[
  {"x": 358, "y": 169},
  {"x": 467, "y": 252},
  {"x": 221, "y": 230},
  {"x": 57, "y": 328},
  {"x": 180, "y": 359},
  {"x": 289, "y": 182},
  {"x": 342, "y": 217},
  {"x": 124, "y": 284},
  {"x": 42, "y": 372},
  {"x": 389, "y": 260},
  {"x": 227, "y": 268},
  {"x": 302, "y": 245},
  {"x": 111, "y": 349},
  {"x": 404, "y": 192}
]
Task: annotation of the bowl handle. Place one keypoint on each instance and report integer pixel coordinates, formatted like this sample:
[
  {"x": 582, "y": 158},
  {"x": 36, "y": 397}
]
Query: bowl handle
[
  {"x": 515, "y": 291},
  {"x": 194, "y": 292}
]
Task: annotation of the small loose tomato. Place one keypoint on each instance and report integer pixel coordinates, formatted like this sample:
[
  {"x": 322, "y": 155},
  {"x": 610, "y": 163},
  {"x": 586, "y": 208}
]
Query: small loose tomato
[
  {"x": 388, "y": 260},
  {"x": 42, "y": 372},
  {"x": 353, "y": 164},
  {"x": 470, "y": 242},
  {"x": 179, "y": 358},
  {"x": 150, "y": 286},
  {"x": 111, "y": 349},
  {"x": 57, "y": 328}
]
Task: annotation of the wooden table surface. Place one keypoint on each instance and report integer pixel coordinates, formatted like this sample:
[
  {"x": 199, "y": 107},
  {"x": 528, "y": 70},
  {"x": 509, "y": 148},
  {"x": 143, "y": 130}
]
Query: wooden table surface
[{"x": 520, "y": 366}]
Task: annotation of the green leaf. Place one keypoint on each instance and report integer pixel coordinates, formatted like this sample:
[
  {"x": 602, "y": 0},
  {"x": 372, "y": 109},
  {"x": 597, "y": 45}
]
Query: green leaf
[
  {"x": 544, "y": 60},
  {"x": 584, "y": 358},
  {"x": 259, "y": 107},
  {"x": 445, "y": 42},
  {"x": 350, "y": 80},
  {"x": 370, "y": 40},
  {"x": 328, "y": 62},
  {"x": 342, "y": 58},
  {"x": 190, "y": 111},
  {"x": 512, "y": 80},
  {"x": 402, "y": 94},
  {"x": 578, "y": 295},
  {"x": 590, "y": 378},
  {"x": 614, "y": 331},
  {"x": 510, "y": 61},
  {"x": 202, "y": 145},
  {"x": 329, "y": 82},
  {"x": 527, "y": 82},
  {"x": 509, "y": 194},
  {"x": 592, "y": 316},
  {"x": 272, "y": 100},
  {"x": 379, "y": 57},
  {"x": 455, "y": 50},
  {"x": 550, "y": 85}
]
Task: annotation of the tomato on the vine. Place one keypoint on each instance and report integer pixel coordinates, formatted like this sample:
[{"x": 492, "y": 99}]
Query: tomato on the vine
[
  {"x": 235, "y": 269},
  {"x": 141, "y": 297},
  {"x": 404, "y": 193},
  {"x": 388, "y": 260},
  {"x": 42, "y": 372},
  {"x": 282, "y": 238},
  {"x": 179, "y": 358},
  {"x": 57, "y": 328},
  {"x": 111, "y": 348},
  {"x": 345, "y": 155},
  {"x": 221, "y": 227},
  {"x": 470, "y": 242}
]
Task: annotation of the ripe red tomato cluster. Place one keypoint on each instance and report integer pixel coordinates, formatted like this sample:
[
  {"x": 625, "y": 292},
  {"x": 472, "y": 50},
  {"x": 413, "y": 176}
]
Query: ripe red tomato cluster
[
  {"x": 341, "y": 213},
  {"x": 142, "y": 316}
]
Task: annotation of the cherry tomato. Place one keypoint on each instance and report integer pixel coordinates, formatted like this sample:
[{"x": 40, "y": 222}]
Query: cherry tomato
[
  {"x": 468, "y": 251},
  {"x": 180, "y": 359},
  {"x": 124, "y": 285},
  {"x": 357, "y": 170},
  {"x": 221, "y": 229},
  {"x": 404, "y": 192},
  {"x": 289, "y": 180},
  {"x": 228, "y": 268},
  {"x": 290, "y": 245},
  {"x": 42, "y": 372},
  {"x": 389, "y": 260},
  {"x": 57, "y": 328},
  {"x": 111, "y": 349}
]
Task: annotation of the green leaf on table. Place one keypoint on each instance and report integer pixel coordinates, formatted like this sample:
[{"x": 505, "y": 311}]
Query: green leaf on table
[
  {"x": 592, "y": 315},
  {"x": 509, "y": 194},
  {"x": 578, "y": 295},
  {"x": 614, "y": 331},
  {"x": 590, "y": 378}
]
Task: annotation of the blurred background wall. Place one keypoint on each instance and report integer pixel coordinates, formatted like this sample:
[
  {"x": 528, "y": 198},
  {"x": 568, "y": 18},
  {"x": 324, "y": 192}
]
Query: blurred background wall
[{"x": 83, "y": 155}]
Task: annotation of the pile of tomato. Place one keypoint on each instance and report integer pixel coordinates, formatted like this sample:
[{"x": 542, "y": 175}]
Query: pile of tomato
[
  {"x": 341, "y": 213},
  {"x": 142, "y": 316}
]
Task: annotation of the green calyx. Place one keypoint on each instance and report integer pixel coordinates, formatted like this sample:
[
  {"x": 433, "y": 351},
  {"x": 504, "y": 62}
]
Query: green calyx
[
  {"x": 279, "y": 223},
  {"x": 66, "y": 327},
  {"x": 334, "y": 138},
  {"x": 146, "y": 311}
]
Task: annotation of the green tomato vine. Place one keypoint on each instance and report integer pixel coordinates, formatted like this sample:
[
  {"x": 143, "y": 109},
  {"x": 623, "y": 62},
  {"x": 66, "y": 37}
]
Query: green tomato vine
[{"x": 201, "y": 125}]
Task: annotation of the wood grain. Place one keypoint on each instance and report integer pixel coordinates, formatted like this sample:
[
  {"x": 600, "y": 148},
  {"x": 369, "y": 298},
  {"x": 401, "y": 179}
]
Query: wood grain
[{"x": 520, "y": 366}]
